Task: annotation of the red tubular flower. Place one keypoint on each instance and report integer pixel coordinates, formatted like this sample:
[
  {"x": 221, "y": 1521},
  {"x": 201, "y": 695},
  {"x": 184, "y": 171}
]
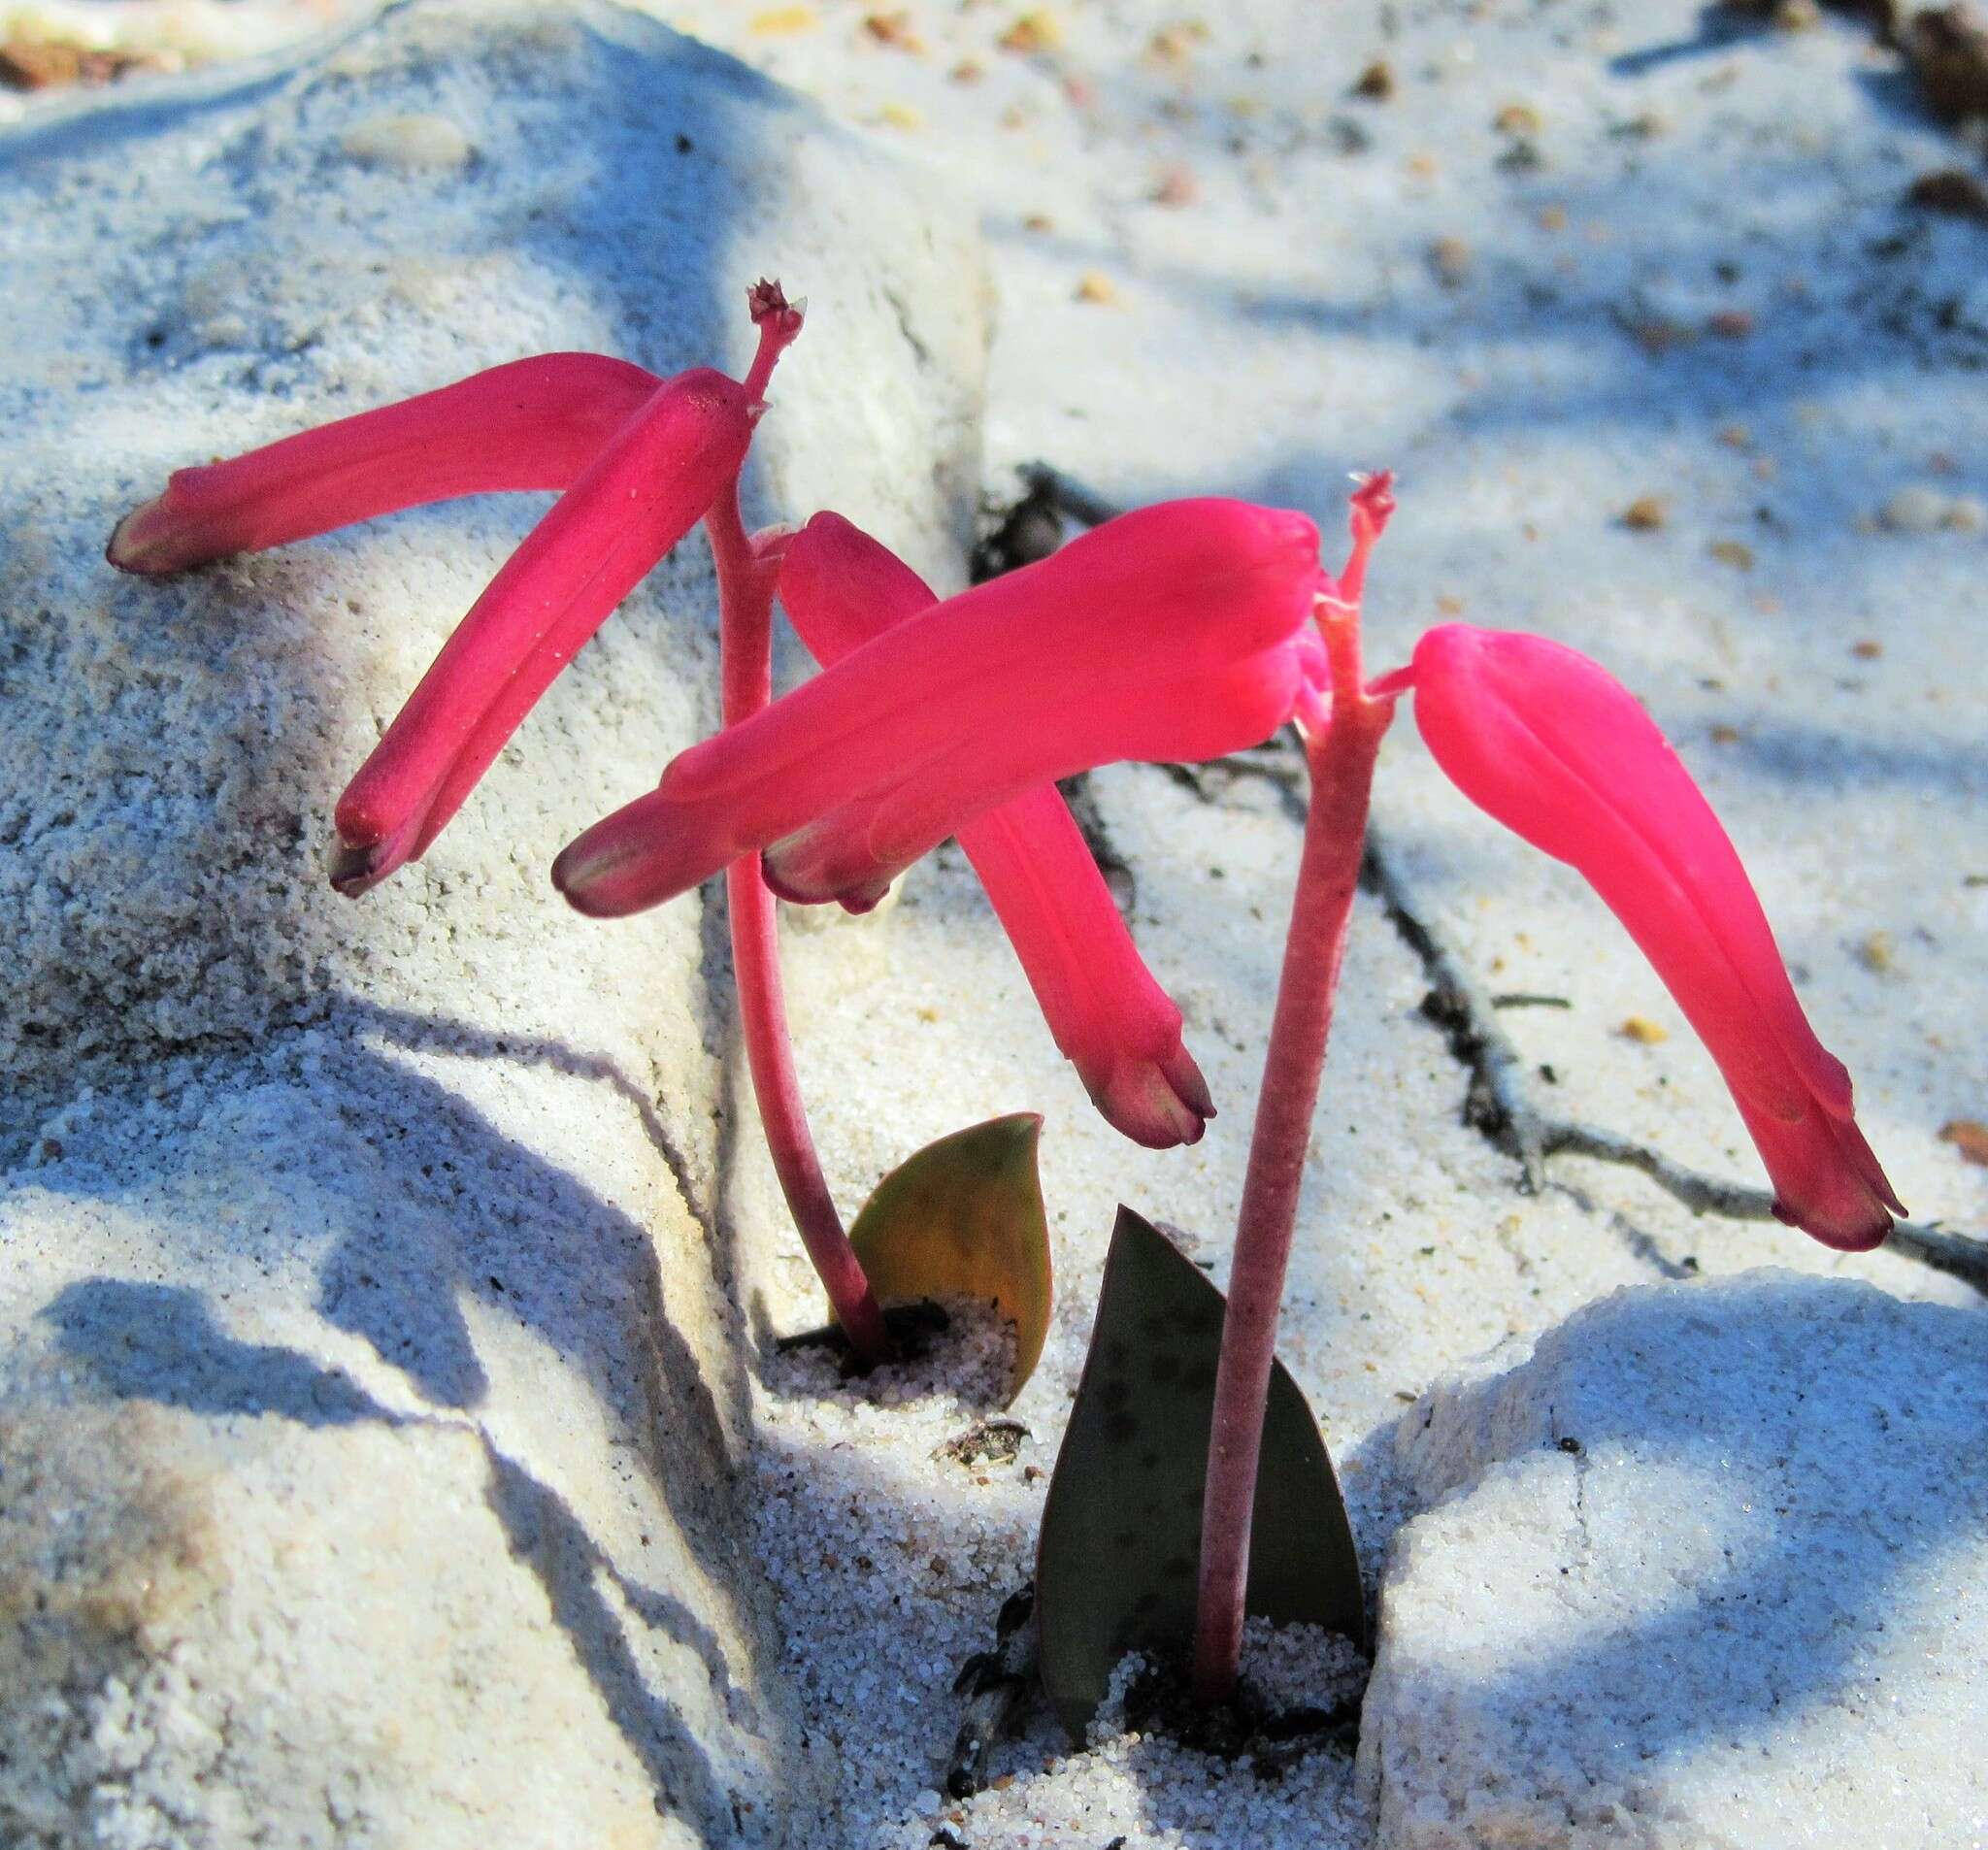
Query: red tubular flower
[
  {"x": 645, "y": 490},
  {"x": 1560, "y": 752},
  {"x": 638, "y": 460},
  {"x": 1109, "y": 1016},
  {"x": 533, "y": 424},
  {"x": 1167, "y": 632}
]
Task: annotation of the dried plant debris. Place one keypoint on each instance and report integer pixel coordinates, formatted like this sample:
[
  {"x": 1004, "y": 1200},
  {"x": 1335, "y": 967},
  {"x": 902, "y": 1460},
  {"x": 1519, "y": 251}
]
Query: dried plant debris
[
  {"x": 44, "y": 64},
  {"x": 1947, "y": 49},
  {"x": 985, "y": 1443},
  {"x": 998, "y": 1686},
  {"x": 1300, "y": 1694},
  {"x": 1952, "y": 191},
  {"x": 1969, "y": 1137}
]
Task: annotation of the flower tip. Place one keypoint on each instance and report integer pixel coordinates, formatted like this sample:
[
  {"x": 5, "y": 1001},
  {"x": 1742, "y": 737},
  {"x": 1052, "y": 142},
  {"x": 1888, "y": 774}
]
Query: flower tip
[
  {"x": 772, "y": 314},
  {"x": 1157, "y": 1103},
  {"x": 1854, "y": 1235},
  {"x": 356, "y": 867},
  {"x": 576, "y": 878},
  {"x": 142, "y": 542},
  {"x": 1373, "y": 504},
  {"x": 859, "y": 898},
  {"x": 765, "y": 300},
  {"x": 778, "y": 322}
]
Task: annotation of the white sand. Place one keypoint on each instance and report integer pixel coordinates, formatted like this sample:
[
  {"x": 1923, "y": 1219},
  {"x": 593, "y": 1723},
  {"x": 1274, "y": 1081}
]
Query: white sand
[{"x": 1698, "y": 285}]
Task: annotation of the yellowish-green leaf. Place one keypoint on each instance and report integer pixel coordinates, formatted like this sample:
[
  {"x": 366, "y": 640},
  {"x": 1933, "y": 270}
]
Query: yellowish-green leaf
[{"x": 963, "y": 1218}]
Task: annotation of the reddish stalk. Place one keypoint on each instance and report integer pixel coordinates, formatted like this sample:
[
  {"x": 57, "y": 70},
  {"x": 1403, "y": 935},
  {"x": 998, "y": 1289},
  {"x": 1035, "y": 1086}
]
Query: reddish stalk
[
  {"x": 747, "y": 575},
  {"x": 1340, "y": 762}
]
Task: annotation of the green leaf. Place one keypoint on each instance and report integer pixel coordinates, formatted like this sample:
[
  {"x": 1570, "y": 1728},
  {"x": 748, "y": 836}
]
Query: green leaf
[
  {"x": 963, "y": 1217},
  {"x": 1120, "y": 1548}
]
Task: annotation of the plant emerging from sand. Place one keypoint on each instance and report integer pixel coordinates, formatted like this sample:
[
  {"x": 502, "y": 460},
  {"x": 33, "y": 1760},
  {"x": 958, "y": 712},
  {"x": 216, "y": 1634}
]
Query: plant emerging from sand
[{"x": 1183, "y": 631}]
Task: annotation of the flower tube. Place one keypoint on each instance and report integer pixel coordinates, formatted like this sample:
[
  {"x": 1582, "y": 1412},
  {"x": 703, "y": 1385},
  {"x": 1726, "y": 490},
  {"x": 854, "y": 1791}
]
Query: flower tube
[
  {"x": 1107, "y": 1015},
  {"x": 1560, "y": 752},
  {"x": 1165, "y": 633}
]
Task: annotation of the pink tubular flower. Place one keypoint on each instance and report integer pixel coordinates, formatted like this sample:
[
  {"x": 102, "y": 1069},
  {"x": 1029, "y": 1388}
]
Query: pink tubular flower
[
  {"x": 1560, "y": 752},
  {"x": 639, "y": 459},
  {"x": 533, "y": 424},
  {"x": 1107, "y": 1015},
  {"x": 1169, "y": 633}
]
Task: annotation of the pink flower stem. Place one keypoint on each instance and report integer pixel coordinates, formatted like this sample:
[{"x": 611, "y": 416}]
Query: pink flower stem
[
  {"x": 1340, "y": 763},
  {"x": 746, "y": 577}
]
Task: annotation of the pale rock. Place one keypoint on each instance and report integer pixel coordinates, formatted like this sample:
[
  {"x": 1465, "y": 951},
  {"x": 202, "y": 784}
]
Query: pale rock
[
  {"x": 1705, "y": 1570},
  {"x": 371, "y": 1391}
]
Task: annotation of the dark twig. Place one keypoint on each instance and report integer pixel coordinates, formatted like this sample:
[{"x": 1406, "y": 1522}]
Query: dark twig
[
  {"x": 1070, "y": 496},
  {"x": 997, "y": 1685},
  {"x": 1494, "y": 1102}
]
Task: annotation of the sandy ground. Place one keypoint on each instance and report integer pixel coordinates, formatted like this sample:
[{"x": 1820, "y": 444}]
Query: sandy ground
[{"x": 1577, "y": 260}]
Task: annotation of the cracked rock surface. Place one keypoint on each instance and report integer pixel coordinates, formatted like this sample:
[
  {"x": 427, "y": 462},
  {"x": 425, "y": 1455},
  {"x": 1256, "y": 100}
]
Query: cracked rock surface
[{"x": 371, "y": 1395}]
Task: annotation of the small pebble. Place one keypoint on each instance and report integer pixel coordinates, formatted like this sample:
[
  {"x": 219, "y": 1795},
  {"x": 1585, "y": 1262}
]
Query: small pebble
[
  {"x": 1517, "y": 119},
  {"x": 1450, "y": 259},
  {"x": 1951, "y": 190},
  {"x": 1174, "y": 44},
  {"x": 1032, "y": 32},
  {"x": 1866, "y": 650},
  {"x": 1968, "y": 1136},
  {"x": 1094, "y": 286},
  {"x": 780, "y": 22},
  {"x": 408, "y": 144},
  {"x": 1878, "y": 953},
  {"x": 1642, "y": 1028},
  {"x": 1729, "y": 324},
  {"x": 1375, "y": 82},
  {"x": 893, "y": 29},
  {"x": 1915, "y": 509},
  {"x": 1732, "y": 552},
  {"x": 1645, "y": 514}
]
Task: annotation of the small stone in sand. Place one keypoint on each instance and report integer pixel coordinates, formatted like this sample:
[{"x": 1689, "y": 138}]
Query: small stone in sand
[
  {"x": 1951, "y": 190},
  {"x": 1969, "y": 1137},
  {"x": 1645, "y": 514},
  {"x": 1643, "y": 1030},
  {"x": 1032, "y": 32},
  {"x": 1732, "y": 552},
  {"x": 408, "y": 144},
  {"x": 1450, "y": 259},
  {"x": 1094, "y": 286},
  {"x": 779, "y": 22},
  {"x": 1914, "y": 509},
  {"x": 895, "y": 30},
  {"x": 1375, "y": 82},
  {"x": 1878, "y": 953}
]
